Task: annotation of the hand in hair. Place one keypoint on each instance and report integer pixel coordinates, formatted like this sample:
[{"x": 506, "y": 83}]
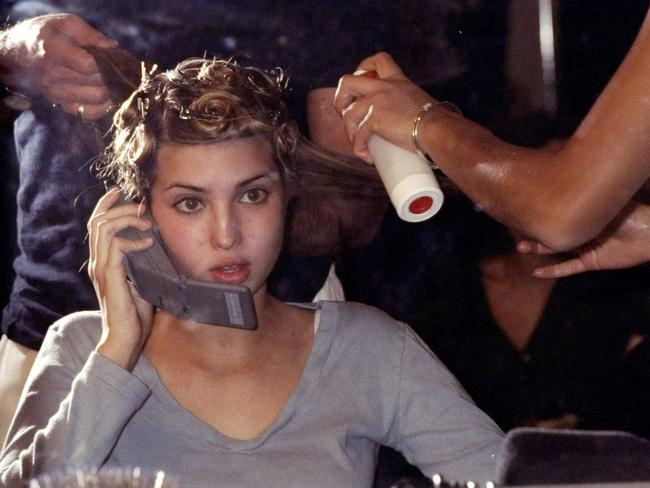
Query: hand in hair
[
  {"x": 624, "y": 243},
  {"x": 44, "y": 56}
]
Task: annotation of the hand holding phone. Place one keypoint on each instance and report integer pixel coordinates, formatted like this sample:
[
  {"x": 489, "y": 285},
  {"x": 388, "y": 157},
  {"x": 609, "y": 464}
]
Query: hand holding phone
[
  {"x": 126, "y": 317},
  {"x": 159, "y": 282}
]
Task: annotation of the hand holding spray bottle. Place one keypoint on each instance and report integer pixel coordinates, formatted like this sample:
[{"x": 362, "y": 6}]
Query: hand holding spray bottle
[{"x": 408, "y": 178}]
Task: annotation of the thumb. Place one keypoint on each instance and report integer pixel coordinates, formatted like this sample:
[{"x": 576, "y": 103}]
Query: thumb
[
  {"x": 561, "y": 270},
  {"x": 526, "y": 246}
]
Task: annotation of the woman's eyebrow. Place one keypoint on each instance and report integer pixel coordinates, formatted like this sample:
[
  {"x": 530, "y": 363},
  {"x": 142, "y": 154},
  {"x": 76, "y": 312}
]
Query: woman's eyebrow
[
  {"x": 273, "y": 175},
  {"x": 187, "y": 186}
]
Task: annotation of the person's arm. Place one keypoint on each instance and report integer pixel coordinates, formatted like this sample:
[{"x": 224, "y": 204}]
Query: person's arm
[
  {"x": 561, "y": 197},
  {"x": 80, "y": 397},
  {"x": 624, "y": 243},
  {"x": 74, "y": 408},
  {"x": 44, "y": 56},
  {"x": 437, "y": 427}
]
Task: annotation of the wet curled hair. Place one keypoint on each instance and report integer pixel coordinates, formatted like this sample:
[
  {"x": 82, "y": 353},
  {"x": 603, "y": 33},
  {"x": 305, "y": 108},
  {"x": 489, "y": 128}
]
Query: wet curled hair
[
  {"x": 199, "y": 102},
  {"x": 333, "y": 199}
]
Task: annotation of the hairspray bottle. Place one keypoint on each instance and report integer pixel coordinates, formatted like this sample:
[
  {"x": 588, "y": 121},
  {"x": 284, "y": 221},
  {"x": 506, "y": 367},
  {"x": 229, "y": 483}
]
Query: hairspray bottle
[{"x": 408, "y": 179}]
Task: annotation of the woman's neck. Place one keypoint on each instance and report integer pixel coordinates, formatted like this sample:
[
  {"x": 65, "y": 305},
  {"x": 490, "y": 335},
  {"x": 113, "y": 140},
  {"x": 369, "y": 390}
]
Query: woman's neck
[
  {"x": 276, "y": 320},
  {"x": 235, "y": 380}
]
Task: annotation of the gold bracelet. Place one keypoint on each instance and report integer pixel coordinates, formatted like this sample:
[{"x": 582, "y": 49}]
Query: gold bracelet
[{"x": 426, "y": 108}]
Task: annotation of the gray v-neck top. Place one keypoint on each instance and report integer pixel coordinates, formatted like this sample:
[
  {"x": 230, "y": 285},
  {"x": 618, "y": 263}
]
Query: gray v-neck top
[{"x": 369, "y": 380}]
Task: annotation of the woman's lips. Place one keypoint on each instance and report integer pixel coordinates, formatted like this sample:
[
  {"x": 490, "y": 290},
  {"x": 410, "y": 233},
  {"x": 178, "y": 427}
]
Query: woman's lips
[{"x": 233, "y": 275}]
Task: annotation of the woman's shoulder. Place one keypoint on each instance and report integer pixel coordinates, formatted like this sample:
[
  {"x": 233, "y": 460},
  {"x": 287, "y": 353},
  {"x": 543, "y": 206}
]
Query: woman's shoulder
[
  {"x": 353, "y": 318},
  {"x": 78, "y": 321},
  {"x": 78, "y": 331}
]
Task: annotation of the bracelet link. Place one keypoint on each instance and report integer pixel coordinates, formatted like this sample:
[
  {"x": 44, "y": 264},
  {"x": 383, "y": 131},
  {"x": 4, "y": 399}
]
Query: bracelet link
[{"x": 426, "y": 108}]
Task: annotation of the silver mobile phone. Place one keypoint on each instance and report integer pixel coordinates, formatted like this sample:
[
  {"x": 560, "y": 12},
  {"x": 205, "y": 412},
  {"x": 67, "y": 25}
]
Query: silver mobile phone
[{"x": 162, "y": 285}]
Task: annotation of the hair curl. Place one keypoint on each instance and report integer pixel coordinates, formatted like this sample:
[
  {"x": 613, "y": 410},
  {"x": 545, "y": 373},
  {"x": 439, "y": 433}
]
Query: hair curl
[{"x": 199, "y": 102}]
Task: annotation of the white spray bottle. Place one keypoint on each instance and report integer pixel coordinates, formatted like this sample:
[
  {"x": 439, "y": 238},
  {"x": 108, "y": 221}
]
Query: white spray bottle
[{"x": 408, "y": 179}]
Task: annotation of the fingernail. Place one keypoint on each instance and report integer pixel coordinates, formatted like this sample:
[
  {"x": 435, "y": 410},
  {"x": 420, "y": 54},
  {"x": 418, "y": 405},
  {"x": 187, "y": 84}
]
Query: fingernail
[
  {"x": 109, "y": 43},
  {"x": 524, "y": 247},
  {"x": 364, "y": 73},
  {"x": 539, "y": 273}
]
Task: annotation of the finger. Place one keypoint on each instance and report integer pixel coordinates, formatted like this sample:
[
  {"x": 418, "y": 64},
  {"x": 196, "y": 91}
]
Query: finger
[
  {"x": 353, "y": 116},
  {"x": 69, "y": 94},
  {"x": 117, "y": 214},
  {"x": 344, "y": 96},
  {"x": 102, "y": 205},
  {"x": 357, "y": 128},
  {"x": 82, "y": 33},
  {"x": 352, "y": 88},
  {"x": 109, "y": 248},
  {"x": 106, "y": 201},
  {"x": 105, "y": 209},
  {"x": 61, "y": 50},
  {"x": 347, "y": 91},
  {"x": 560, "y": 270},
  {"x": 54, "y": 74},
  {"x": 96, "y": 112},
  {"x": 525, "y": 246},
  {"x": 360, "y": 141},
  {"x": 119, "y": 247},
  {"x": 385, "y": 66},
  {"x": 114, "y": 291},
  {"x": 90, "y": 112},
  {"x": 113, "y": 288}
]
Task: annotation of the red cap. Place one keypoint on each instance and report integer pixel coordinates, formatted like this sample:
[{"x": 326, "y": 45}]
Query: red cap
[{"x": 420, "y": 205}]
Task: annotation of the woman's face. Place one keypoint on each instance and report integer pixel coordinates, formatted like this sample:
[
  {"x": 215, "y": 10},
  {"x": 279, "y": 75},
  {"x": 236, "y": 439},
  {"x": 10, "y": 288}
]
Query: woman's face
[{"x": 220, "y": 209}]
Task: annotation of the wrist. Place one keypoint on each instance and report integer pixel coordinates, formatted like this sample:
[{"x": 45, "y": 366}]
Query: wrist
[
  {"x": 428, "y": 111},
  {"x": 124, "y": 353}
]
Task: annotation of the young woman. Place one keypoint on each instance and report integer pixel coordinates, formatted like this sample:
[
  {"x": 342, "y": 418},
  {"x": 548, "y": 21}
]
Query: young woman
[{"x": 303, "y": 400}]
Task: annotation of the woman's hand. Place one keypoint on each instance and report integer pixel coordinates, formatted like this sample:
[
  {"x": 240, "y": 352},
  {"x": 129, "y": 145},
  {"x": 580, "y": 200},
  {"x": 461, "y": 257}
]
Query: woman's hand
[
  {"x": 386, "y": 105},
  {"x": 126, "y": 318},
  {"x": 624, "y": 243},
  {"x": 45, "y": 56}
]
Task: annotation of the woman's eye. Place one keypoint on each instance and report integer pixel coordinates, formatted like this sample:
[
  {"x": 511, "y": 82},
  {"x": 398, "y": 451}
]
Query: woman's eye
[
  {"x": 189, "y": 205},
  {"x": 256, "y": 195}
]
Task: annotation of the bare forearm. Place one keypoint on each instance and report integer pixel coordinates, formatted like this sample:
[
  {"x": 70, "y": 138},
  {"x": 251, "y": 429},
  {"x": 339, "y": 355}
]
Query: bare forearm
[
  {"x": 555, "y": 196},
  {"x": 564, "y": 197}
]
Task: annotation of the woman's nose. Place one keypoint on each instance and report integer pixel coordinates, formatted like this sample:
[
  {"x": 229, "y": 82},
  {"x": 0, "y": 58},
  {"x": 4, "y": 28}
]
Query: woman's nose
[{"x": 225, "y": 231}]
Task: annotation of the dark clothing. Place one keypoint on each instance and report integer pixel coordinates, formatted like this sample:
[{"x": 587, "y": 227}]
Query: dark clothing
[{"x": 576, "y": 363}]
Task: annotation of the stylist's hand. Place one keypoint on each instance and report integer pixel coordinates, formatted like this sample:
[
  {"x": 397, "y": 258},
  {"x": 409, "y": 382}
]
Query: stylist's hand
[
  {"x": 624, "y": 243},
  {"x": 386, "y": 105},
  {"x": 126, "y": 317},
  {"x": 44, "y": 56}
]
